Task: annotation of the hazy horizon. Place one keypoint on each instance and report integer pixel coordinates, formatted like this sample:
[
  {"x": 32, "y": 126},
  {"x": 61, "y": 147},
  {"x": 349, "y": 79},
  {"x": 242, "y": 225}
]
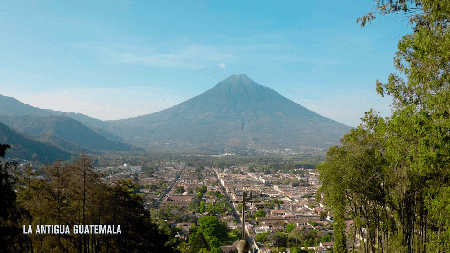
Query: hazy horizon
[{"x": 128, "y": 58}]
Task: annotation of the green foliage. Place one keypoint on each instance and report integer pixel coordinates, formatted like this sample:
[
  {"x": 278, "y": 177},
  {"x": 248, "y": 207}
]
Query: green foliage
[
  {"x": 74, "y": 194},
  {"x": 148, "y": 169},
  {"x": 198, "y": 243},
  {"x": 215, "y": 231},
  {"x": 194, "y": 205},
  {"x": 297, "y": 250},
  {"x": 162, "y": 184},
  {"x": 391, "y": 175},
  {"x": 201, "y": 189},
  {"x": 36, "y": 150},
  {"x": 183, "y": 247},
  {"x": 290, "y": 227},
  {"x": 307, "y": 237},
  {"x": 279, "y": 239},
  {"x": 263, "y": 237},
  {"x": 260, "y": 213},
  {"x": 326, "y": 238},
  {"x": 235, "y": 235},
  {"x": 219, "y": 206},
  {"x": 202, "y": 206},
  {"x": 239, "y": 208},
  {"x": 271, "y": 203},
  {"x": 170, "y": 212},
  {"x": 194, "y": 229},
  {"x": 179, "y": 190},
  {"x": 216, "y": 250},
  {"x": 137, "y": 225},
  {"x": 279, "y": 250},
  {"x": 11, "y": 216},
  {"x": 323, "y": 215}
]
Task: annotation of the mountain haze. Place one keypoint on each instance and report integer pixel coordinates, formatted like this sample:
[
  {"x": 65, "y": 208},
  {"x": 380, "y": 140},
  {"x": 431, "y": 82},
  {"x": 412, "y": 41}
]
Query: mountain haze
[
  {"x": 10, "y": 106},
  {"x": 25, "y": 148},
  {"x": 94, "y": 124},
  {"x": 62, "y": 131},
  {"x": 58, "y": 129},
  {"x": 236, "y": 112}
]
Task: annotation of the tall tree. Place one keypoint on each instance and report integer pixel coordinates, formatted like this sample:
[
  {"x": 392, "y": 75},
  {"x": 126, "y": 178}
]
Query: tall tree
[
  {"x": 11, "y": 216},
  {"x": 214, "y": 231},
  {"x": 74, "y": 194},
  {"x": 392, "y": 175},
  {"x": 198, "y": 243}
]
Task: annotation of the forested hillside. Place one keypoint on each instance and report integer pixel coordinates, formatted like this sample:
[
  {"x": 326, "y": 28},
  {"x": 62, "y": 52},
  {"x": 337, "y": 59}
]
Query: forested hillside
[
  {"x": 74, "y": 132},
  {"x": 25, "y": 148},
  {"x": 63, "y": 132}
]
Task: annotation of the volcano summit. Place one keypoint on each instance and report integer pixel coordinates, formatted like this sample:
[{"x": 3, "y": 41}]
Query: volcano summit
[{"x": 235, "y": 113}]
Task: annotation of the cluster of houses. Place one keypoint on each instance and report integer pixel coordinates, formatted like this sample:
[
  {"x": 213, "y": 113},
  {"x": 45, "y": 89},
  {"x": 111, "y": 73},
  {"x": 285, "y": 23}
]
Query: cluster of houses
[
  {"x": 290, "y": 204},
  {"x": 282, "y": 204}
]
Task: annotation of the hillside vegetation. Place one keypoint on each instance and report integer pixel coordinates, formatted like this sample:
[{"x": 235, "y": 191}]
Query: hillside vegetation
[{"x": 25, "y": 148}]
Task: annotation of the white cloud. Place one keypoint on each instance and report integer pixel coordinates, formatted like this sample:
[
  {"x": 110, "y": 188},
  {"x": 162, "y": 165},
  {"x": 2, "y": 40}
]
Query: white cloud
[
  {"x": 185, "y": 56},
  {"x": 222, "y": 65}
]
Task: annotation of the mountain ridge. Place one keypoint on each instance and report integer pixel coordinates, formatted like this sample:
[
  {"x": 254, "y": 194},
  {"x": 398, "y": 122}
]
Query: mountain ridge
[
  {"x": 26, "y": 148},
  {"x": 235, "y": 113},
  {"x": 62, "y": 131},
  {"x": 232, "y": 113},
  {"x": 10, "y": 106}
]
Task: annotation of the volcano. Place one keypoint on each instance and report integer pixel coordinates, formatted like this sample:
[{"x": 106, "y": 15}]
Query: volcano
[{"x": 235, "y": 113}]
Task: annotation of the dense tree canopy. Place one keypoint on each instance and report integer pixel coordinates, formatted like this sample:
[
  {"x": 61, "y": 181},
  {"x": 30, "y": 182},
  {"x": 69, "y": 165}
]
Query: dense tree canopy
[
  {"x": 214, "y": 232},
  {"x": 11, "y": 216},
  {"x": 392, "y": 175},
  {"x": 74, "y": 194}
]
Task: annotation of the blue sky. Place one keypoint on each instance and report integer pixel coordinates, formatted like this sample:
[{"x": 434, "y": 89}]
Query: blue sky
[{"x": 120, "y": 59}]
